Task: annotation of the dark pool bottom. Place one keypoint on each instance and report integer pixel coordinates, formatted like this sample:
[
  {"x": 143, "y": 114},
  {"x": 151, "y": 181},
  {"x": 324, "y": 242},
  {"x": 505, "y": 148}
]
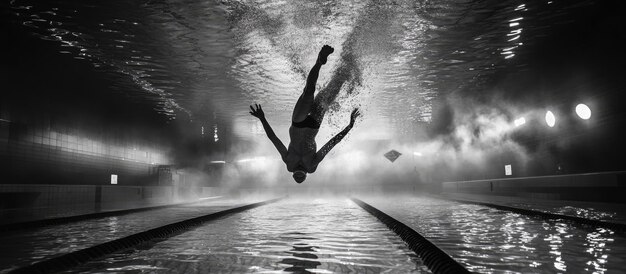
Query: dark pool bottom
[{"x": 314, "y": 236}]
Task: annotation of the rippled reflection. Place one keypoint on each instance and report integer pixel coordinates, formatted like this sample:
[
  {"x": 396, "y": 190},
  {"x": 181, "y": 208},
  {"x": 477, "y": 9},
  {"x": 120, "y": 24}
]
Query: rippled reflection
[
  {"x": 199, "y": 58},
  {"x": 516, "y": 32},
  {"x": 487, "y": 240},
  {"x": 113, "y": 225},
  {"x": 555, "y": 243},
  {"x": 312, "y": 236},
  {"x": 302, "y": 256},
  {"x": 597, "y": 246}
]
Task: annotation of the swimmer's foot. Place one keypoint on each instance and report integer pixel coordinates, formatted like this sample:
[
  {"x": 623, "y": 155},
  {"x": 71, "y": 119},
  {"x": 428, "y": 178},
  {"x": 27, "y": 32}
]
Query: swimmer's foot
[{"x": 323, "y": 56}]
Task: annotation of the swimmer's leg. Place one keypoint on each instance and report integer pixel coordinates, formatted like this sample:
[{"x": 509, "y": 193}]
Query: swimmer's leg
[
  {"x": 321, "y": 103},
  {"x": 305, "y": 102},
  {"x": 325, "y": 98}
]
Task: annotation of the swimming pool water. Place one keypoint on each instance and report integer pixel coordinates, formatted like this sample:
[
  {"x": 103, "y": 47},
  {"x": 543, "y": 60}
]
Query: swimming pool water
[
  {"x": 23, "y": 247},
  {"x": 313, "y": 236},
  {"x": 487, "y": 240}
]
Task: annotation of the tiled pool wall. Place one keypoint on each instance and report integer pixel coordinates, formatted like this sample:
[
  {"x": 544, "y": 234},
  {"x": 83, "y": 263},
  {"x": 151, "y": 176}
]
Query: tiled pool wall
[
  {"x": 33, "y": 202},
  {"x": 608, "y": 187}
]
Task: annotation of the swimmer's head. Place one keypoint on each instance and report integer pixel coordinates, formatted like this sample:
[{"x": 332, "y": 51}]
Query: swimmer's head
[{"x": 299, "y": 176}]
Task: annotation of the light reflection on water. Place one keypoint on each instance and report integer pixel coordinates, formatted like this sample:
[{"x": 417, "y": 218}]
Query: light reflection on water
[
  {"x": 315, "y": 236},
  {"x": 597, "y": 242},
  {"x": 487, "y": 240},
  {"x": 20, "y": 248}
]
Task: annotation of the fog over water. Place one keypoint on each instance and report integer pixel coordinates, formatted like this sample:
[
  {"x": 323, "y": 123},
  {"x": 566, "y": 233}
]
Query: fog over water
[{"x": 439, "y": 81}]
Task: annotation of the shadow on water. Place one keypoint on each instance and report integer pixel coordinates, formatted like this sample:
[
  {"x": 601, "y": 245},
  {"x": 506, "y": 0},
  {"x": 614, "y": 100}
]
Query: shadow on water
[{"x": 302, "y": 255}]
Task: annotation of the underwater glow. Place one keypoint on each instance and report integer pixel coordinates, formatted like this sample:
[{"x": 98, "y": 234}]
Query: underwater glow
[
  {"x": 550, "y": 119},
  {"x": 519, "y": 121},
  {"x": 251, "y": 159},
  {"x": 583, "y": 111}
]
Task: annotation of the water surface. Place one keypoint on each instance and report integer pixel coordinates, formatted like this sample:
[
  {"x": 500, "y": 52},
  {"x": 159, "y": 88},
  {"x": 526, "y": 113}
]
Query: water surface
[
  {"x": 311, "y": 236},
  {"x": 208, "y": 60},
  {"x": 487, "y": 240}
]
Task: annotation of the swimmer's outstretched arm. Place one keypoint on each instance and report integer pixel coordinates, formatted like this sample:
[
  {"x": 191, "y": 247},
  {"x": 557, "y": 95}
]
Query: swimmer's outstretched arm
[
  {"x": 335, "y": 140},
  {"x": 258, "y": 112}
]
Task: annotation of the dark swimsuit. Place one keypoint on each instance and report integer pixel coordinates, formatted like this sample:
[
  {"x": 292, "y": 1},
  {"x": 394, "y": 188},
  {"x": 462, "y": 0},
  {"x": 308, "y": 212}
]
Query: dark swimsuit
[{"x": 308, "y": 122}]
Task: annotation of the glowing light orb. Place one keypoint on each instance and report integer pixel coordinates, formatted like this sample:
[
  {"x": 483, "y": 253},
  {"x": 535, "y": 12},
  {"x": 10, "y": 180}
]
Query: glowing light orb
[
  {"x": 583, "y": 111},
  {"x": 519, "y": 121},
  {"x": 550, "y": 119}
]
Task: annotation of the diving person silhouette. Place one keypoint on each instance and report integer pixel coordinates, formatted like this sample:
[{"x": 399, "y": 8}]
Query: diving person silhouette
[{"x": 301, "y": 157}]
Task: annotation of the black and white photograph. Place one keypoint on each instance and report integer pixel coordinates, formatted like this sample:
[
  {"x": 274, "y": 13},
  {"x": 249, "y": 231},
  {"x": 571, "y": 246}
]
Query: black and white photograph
[{"x": 313, "y": 136}]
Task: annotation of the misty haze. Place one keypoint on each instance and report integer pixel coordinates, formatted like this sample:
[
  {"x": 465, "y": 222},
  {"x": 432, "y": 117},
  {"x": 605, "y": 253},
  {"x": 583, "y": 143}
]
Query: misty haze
[{"x": 236, "y": 136}]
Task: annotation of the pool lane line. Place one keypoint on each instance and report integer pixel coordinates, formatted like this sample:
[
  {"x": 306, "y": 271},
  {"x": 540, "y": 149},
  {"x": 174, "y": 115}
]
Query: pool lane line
[
  {"x": 546, "y": 215},
  {"x": 70, "y": 219},
  {"x": 76, "y": 258},
  {"x": 433, "y": 257}
]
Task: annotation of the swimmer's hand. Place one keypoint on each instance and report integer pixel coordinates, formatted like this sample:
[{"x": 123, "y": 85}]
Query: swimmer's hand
[
  {"x": 258, "y": 112},
  {"x": 355, "y": 113}
]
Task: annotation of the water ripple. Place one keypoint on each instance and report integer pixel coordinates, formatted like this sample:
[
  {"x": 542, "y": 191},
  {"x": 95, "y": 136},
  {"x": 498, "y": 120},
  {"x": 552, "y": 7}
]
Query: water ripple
[
  {"x": 321, "y": 236},
  {"x": 208, "y": 60},
  {"x": 487, "y": 240}
]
